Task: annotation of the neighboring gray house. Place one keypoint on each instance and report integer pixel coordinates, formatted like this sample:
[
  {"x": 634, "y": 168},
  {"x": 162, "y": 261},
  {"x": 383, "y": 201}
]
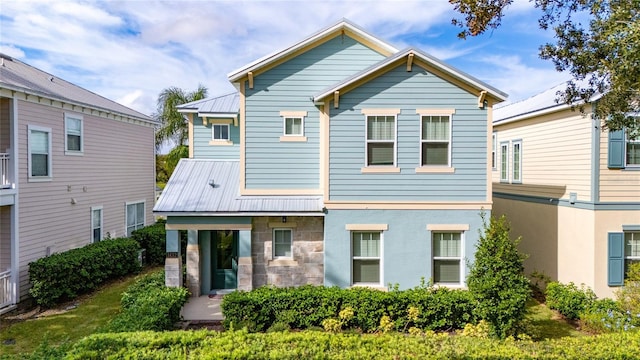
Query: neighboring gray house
[
  {"x": 340, "y": 161},
  {"x": 75, "y": 168}
]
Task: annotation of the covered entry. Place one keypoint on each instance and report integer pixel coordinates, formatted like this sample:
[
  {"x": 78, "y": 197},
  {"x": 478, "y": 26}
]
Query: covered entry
[{"x": 219, "y": 259}]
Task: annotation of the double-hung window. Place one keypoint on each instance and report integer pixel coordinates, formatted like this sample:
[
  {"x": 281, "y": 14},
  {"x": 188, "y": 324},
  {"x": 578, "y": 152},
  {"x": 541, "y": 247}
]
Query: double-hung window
[
  {"x": 73, "y": 134},
  {"x": 504, "y": 162},
  {"x": 516, "y": 161},
  {"x": 633, "y": 148},
  {"x": 282, "y": 243},
  {"x": 293, "y": 126},
  {"x": 39, "y": 139},
  {"x": 135, "y": 216},
  {"x": 365, "y": 249},
  {"x": 381, "y": 140},
  {"x": 447, "y": 257},
  {"x": 96, "y": 224},
  {"x": 435, "y": 140},
  {"x": 220, "y": 132},
  {"x": 494, "y": 150},
  {"x": 631, "y": 248}
]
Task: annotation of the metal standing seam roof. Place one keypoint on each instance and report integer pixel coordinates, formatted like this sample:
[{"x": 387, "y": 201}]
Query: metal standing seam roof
[
  {"x": 225, "y": 104},
  {"x": 19, "y": 76},
  {"x": 189, "y": 192}
]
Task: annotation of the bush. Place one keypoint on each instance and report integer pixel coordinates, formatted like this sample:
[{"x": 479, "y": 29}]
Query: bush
[
  {"x": 569, "y": 300},
  {"x": 309, "y": 306},
  {"x": 153, "y": 238},
  {"x": 629, "y": 295},
  {"x": 497, "y": 281},
  {"x": 64, "y": 276},
  {"x": 149, "y": 305}
]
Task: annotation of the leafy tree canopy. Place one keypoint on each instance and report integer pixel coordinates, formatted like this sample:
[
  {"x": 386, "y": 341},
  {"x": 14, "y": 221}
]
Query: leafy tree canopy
[
  {"x": 602, "y": 53},
  {"x": 173, "y": 125}
]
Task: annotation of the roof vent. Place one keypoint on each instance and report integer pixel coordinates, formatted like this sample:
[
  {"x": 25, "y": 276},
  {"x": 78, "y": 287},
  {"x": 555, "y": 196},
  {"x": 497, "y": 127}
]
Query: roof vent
[{"x": 212, "y": 183}]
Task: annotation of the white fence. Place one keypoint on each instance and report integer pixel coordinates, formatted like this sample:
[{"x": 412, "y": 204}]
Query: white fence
[
  {"x": 6, "y": 295},
  {"x": 4, "y": 171}
]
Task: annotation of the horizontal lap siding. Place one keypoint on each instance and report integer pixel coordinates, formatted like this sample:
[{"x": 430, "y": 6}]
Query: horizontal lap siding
[
  {"x": 269, "y": 163},
  {"x": 615, "y": 184},
  {"x": 5, "y": 238},
  {"x": 117, "y": 167},
  {"x": 408, "y": 91},
  {"x": 556, "y": 155},
  {"x": 203, "y": 134},
  {"x": 5, "y": 121}
]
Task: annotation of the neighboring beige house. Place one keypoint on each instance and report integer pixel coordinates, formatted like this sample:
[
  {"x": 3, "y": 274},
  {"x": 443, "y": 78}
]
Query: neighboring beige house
[
  {"x": 75, "y": 168},
  {"x": 570, "y": 189}
]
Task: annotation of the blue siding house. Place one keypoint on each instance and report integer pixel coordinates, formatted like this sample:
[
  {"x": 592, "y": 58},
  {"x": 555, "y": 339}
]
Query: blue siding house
[{"x": 341, "y": 160}]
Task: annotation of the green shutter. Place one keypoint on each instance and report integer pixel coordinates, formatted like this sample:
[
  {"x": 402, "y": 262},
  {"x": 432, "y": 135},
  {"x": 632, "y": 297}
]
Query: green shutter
[
  {"x": 616, "y": 259},
  {"x": 616, "y": 149}
]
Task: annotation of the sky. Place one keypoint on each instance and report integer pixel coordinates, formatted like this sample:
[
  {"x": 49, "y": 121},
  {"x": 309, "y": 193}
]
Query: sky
[{"x": 130, "y": 50}]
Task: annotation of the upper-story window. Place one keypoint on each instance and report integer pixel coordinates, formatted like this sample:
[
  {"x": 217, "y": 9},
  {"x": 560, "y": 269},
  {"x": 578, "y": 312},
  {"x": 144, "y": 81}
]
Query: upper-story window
[
  {"x": 220, "y": 132},
  {"x": 293, "y": 126},
  {"x": 633, "y": 149},
  {"x": 436, "y": 140},
  {"x": 381, "y": 140},
  {"x": 494, "y": 150},
  {"x": 73, "y": 134},
  {"x": 39, "y": 164},
  {"x": 504, "y": 162},
  {"x": 516, "y": 161}
]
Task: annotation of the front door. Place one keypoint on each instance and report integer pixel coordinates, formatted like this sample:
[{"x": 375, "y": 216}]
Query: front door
[{"x": 224, "y": 252}]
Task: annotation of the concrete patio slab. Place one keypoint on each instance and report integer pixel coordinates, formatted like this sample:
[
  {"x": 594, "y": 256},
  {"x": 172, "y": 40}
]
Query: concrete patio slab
[{"x": 203, "y": 308}]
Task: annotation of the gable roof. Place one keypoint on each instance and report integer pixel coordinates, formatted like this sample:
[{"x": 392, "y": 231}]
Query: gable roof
[
  {"x": 428, "y": 59},
  {"x": 343, "y": 25},
  {"x": 228, "y": 104},
  {"x": 18, "y": 76}
]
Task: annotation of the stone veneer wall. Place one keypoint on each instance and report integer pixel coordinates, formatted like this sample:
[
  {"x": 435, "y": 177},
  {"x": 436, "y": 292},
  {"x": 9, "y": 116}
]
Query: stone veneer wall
[{"x": 307, "y": 265}]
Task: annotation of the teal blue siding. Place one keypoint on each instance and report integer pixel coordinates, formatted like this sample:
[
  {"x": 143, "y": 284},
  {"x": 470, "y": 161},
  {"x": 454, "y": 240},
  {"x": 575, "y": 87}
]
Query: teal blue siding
[
  {"x": 406, "y": 250},
  {"x": 203, "y": 134},
  {"x": 615, "y": 246},
  {"x": 408, "y": 91},
  {"x": 271, "y": 164}
]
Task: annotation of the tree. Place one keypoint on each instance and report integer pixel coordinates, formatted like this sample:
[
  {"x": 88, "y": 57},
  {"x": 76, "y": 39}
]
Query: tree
[
  {"x": 603, "y": 57},
  {"x": 496, "y": 279}
]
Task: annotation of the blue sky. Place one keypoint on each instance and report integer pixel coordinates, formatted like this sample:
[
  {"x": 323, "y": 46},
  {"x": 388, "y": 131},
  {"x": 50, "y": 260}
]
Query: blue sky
[{"x": 130, "y": 50}]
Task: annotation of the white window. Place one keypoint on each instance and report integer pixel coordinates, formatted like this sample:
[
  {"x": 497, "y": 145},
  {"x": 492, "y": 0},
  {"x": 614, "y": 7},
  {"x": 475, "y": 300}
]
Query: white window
[
  {"x": 435, "y": 140},
  {"x": 220, "y": 132},
  {"x": 381, "y": 140},
  {"x": 504, "y": 162},
  {"x": 294, "y": 126},
  {"x": 631, "y": 248},
  {"x": 365, "y": 249},
  {"x": 282, "y": 243},
  {"x": 494, "y": 150},
  {"x": 135, "y": 216},
  {"x": 73, "y": 134},
  {"x": 516, "y": 161},
  {"x": 96, "y": 224},
  {"x": 39, "y": 163},
  {"x": 633, "y": 149},
  {"x": 447, "y": 258}
]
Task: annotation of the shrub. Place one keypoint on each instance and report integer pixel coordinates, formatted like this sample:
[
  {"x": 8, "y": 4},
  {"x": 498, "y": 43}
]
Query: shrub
[
  {"x": 64, "y": 276},
  {"x": 629, "y": 294},
  {"x": 569, "y": 300},
  {"x": 149, "y": 305},
  {"x": 153, "y": 238},
  {"x": 497, "y": 279}
]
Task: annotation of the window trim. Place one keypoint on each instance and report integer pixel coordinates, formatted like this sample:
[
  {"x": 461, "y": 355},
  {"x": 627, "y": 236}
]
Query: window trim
[
  {"x": 448, "y": 141},
  {"x": 394, "y": 142},
  {"x": 517, "y": 143},
  {"x": 460, "y": 229},
  {"x": 273, "y": 243},
  {"x": 630, "y": 257},
  {"x": 213, "y": 132},
  {"x": 30, "y": 177},
  {"x": 494, "y": 150},
  {"x": 504, "y": 157},
  {"x": 288, "y": 114},
  {"x": 144, "y": 211},
  {"x": 95, "y": 208},
  {"x": 360, "y": 228},
  {"x": 628, "y": 141},
  {"x": 67, "y": 118}
]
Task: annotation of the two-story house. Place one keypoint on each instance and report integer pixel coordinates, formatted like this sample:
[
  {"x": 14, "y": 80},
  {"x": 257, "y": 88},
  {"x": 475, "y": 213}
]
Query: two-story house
[
  {"x": 75, "y": 168},
  {"x": 570, "y": 189},
  {"x": 341, "y": 160}
]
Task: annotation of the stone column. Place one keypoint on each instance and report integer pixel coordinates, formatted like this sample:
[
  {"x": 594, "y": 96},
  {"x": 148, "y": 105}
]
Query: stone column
[
  {"x": 245, "y": 266},
  {"x": 193, "y": 263},
  {"x": 173, "y": 262}
]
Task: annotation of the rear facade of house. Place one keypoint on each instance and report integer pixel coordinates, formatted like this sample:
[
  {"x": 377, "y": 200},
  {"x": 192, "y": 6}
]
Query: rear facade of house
[
  {"x": 74, "y": 168},
  {"x": 339, "y": 161},
  {"x": 570, "y": 189}
]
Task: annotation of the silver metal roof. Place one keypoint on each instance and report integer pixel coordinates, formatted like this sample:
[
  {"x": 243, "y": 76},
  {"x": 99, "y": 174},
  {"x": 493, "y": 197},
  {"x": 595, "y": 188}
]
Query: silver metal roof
[
  {"x": 225, "y": 104},
  {"x": 189, "y": 192},
  {"x": 18, "y": 76}
]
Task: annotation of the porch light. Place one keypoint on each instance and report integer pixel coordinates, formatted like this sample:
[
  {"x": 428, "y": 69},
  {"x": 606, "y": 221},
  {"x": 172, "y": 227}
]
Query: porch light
[{"x": 284, "y": 219}]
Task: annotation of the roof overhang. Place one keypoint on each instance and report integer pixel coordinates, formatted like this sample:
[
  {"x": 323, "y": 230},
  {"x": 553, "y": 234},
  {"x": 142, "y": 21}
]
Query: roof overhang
[{"x": 228, "y": 214}]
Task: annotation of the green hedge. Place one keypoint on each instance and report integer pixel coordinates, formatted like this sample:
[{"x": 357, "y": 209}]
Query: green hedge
[
  {"x": 321, "y": 345},
  {"x": 153, "y": 238},
  {"x": 64, "y": 276},
  {"x": 568, "y": 299},
  {"x": 149, "y": 305},
  {"x": 307, "y": 306}
]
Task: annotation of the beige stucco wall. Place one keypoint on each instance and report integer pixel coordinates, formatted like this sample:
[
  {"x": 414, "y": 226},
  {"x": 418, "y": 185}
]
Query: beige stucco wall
[{"x": 307, "y": 265}]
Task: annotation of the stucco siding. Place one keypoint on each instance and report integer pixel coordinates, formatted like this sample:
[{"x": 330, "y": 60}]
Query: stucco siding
[
  {"x": 407, "y": 91},
  {"x": 406, "y": 254},
  {"x": 270, "y": 163},
  {"x": 203, "y": 149},
  {"x": 117, "y": 167},
  {"x": 556, "y": 156},
  {"x": 617, "y": 185}
]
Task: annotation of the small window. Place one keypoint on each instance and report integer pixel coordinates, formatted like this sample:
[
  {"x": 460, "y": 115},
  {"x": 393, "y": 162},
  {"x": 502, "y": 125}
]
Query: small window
[
  {"x": 504, "y": 162},
  {"x": 293, "y": 126},
  {"x": 447, "y": 258},
  {"x": 96, "y": 224},
  {"x": 633, "y": 149},
  {"x": 435, "y": 140},
  {"x": 73, "y": 134},
  {"x": 220, "y": 132},
  {"x": 516, "y": 162},
  {"x": 39, "y": 139},
  {"x": 135, "y": 217},
  {"x": 381, "y": 139},
  {"x": 494, "y": 150},
  {"x": 366, "y": 257},
  {"x": 631, "y": 248},
  {"x": 282, "y": 243}
]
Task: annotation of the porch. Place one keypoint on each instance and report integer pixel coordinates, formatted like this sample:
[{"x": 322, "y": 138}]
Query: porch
[{"x": 203, "y": 308}]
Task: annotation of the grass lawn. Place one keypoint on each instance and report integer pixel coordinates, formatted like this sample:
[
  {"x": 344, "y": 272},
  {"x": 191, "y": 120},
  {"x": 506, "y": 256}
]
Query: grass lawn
[
  {"x": 93, "y": 312},
  {"x": 543, "y": 323}
]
